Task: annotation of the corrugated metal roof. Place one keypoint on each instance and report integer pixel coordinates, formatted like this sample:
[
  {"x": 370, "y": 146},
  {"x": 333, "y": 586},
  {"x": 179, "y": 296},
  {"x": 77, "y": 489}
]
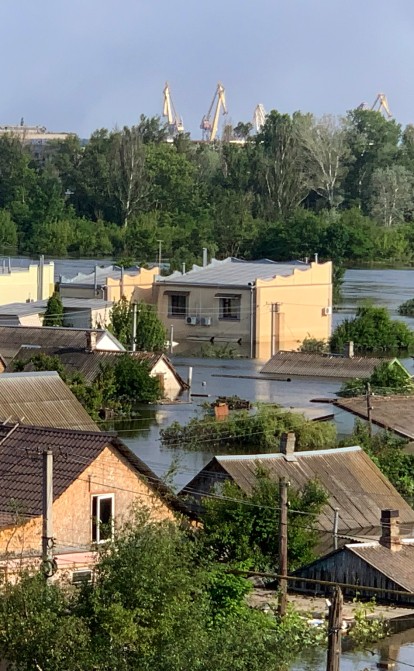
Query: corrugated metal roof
[
  {"x": 41, "y": 399},
  {"x": 308, "y": 364},
  {"x": 13, "y": 337},
  {"x": 233, "y": 272},
  {"x": 395, "y": 413},
  {"x": 36, "y": 307},
  {"x": 21, "y": 458},
  {"x": 354, "y": 484},
  {"x": 101, "y": 276},
  {"x": 89, "y": 363},
  {"x": 397, "y": 566}
]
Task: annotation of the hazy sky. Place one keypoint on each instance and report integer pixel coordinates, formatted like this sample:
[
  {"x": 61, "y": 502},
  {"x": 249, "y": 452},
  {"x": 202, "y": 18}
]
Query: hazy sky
[{"x": 82, "y": 64}]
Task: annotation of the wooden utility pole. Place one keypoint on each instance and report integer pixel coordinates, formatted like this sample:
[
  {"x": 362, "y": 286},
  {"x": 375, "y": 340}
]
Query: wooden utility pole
[
  {"x": 47, "y": 502},
  {"x": 283, "y": 544},
  {"x": 333, "y": 660},
  {"x": 369, "y": 408}
]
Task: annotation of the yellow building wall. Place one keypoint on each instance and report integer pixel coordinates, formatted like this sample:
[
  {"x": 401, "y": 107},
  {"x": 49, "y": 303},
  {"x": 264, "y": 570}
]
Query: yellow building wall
[
  {"x": 136, "y": 287},
  {"x": 304, "y": 308},
  {"x": 110, "y": 473},
  {"x": 22, "y": 285}
]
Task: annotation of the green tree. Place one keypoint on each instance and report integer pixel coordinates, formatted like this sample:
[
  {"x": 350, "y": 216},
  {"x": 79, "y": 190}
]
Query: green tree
[
  {"x": 392, "y": 195},
  {"x": 150, "y": 335},
  {"x": 8, "y": 234},
  {"x": 243, "y": 527},
  {"x": 387, "y": 378},
  {"x": 133, "y": 381},
  {"x": 372, "y": 329},
  {"x": 54, "y": 311}
]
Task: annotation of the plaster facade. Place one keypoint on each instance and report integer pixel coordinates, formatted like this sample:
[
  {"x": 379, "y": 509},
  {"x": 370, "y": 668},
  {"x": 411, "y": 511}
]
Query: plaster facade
[{"x": 22, "y": 285}]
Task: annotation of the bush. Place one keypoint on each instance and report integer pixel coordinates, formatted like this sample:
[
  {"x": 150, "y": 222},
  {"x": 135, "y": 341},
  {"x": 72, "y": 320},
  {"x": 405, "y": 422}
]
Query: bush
[
  {"x": 387, "y": 378},
  {"x": 372, "y": 329},
  {"x": 407, "y": 308}
]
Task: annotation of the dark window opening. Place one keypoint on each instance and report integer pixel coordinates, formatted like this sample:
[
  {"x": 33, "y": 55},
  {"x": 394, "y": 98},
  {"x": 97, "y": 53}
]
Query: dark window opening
[
  {"x": 230, "y": 308},
  {"x": 177, "y": 306}
]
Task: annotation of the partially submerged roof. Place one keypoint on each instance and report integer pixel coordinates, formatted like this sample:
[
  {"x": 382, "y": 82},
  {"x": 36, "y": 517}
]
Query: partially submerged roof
[
  {"x": 41, "y": 399},
  {"x": 89, "y": 364},
  {"x": 13, "y": 337},
  {"x": 233, "y": 272},
  {"x": 354, "y": 483},
  {"x": 309, "y": 364},
  {"x": 101, "y": 275},
  {"x": 21, "y": 451},
  {"x": 395, "y": 413}
]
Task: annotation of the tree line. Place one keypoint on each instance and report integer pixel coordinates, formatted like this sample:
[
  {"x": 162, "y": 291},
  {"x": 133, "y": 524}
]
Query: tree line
[{"x": 340, "y": 187}]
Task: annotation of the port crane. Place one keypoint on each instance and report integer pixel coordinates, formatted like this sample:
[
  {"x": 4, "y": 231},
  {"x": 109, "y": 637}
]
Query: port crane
[
  {"x": 380, "y": 105},
  {"x": 209, "y": 127},
  {"x": 259, "y": 117},
  {"x": 175, "y": 122}
]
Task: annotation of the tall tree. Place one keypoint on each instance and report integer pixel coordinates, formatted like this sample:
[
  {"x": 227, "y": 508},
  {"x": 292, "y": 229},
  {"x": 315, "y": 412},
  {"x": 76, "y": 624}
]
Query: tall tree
[
  {"x": 54, "y": 311},
  {"x": 392, "y": 196},
  {"x": 128, "y": 177}
]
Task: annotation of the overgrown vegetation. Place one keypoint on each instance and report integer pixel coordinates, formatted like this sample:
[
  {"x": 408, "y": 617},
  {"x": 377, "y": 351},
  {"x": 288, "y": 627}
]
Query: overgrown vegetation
[
  {"x": 150, "y": 334},
  {"x": 313, "y": 345},
  {"x": 372, "y": 330},
  {"x": 256, "y": 432},
  {"x": 341, "y": 187},
  {"x": 54, "y": 311},
  {"x": 387, "y": 378},
  {"x": 180, "y": 610},
  {"x": 407, "y": 308}
]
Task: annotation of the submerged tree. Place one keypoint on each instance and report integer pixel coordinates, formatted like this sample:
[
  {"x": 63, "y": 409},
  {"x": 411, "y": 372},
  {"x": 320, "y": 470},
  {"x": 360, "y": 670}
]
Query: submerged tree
[{"x": 54, "y": 311}]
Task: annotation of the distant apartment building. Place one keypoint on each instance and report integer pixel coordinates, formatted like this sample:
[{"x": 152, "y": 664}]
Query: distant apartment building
[
  {"x": 259, "y": 306},
  {"x": 21, "y": 285},
  {"x": 36, "y": 137},
  {"x": 110, "y": 283}
]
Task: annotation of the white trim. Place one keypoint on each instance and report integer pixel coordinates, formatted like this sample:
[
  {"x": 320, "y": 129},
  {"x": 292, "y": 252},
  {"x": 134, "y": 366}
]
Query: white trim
[{"x": 98, "y": 498}]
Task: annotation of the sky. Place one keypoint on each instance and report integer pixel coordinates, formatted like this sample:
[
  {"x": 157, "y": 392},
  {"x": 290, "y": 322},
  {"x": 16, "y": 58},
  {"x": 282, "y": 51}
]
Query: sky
[{"x": 86, "y": 64}]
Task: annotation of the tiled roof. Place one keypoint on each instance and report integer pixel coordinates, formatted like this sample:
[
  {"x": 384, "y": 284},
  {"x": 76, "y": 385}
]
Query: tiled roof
[
  {"x": 354, "y": 484},
  {"x": 233, "y": 272},
  {"x": 41, "y": 399},
  {"x": 395, "y": 413},
  {"x": 308, "y": 364},
  {"x": 89, "y": 363},
  {"x": 21, "y": 451},
  {"x": 13, "y": 337}
]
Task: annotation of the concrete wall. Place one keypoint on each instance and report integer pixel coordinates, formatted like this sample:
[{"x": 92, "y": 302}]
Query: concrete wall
[
  {"x": 22, "y": 285},
  {"x": 86, "y": 318},
  {"x": 302, "y": 299},
  {"x": 110, "y": 473}
]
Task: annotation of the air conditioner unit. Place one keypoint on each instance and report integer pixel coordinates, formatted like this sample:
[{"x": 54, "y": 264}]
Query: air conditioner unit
[
  {"x": 206, "y": 321},
  {"x": 192, "y": 321},
  {"x": 327, "y": 311}
]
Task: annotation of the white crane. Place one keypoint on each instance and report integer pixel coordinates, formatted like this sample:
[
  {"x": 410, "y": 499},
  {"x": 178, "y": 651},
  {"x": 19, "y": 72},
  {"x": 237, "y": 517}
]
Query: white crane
[
  {"x": 175, "y": 122},
  {"x": 209, "y": 127}
]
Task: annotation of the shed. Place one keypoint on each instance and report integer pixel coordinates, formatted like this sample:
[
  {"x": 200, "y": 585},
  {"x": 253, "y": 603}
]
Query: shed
[{"x": 395, "y": 413}]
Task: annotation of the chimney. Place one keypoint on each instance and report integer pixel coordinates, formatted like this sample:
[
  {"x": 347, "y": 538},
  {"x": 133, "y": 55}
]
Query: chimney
[
  {"x": 349, "y": 350},
  {"x": 316, "y": 258},
  {"x": 205, "y": 260},
  {"x": 390, "y": 530},
  {"x": 91, "y": 338},
  {"x": 287, "y": 443}
]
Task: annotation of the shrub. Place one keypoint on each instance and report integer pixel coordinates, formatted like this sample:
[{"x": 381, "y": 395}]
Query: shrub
[{"x": 372, "y": 329}]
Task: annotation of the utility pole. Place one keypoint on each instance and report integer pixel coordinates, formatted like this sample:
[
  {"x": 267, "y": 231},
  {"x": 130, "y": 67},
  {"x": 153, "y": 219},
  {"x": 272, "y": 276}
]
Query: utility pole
[
  {"x": 47, "y": 535},
  {"x": 134, "y": 327},
  {"x": 159, "y": 253},
  {"x": 335, "y": 528},
  {"x": 333, "y": 660},
  {"x": 369, "y": 408},
  {"x": 283, "y": 545}
]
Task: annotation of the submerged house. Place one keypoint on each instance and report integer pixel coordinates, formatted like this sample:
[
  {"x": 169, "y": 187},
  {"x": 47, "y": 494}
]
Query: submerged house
[
  {"x": 356, "y": 487},
  {"x": 384, "y": 564}
]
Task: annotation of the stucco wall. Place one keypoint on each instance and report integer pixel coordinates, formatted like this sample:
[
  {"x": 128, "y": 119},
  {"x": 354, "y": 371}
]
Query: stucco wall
[
  {"x": 136, "y": 287},
  {"x": 169, "y": 382},
  {"x": 22, "y": 285},
  {"x": 108, "y": 474}
]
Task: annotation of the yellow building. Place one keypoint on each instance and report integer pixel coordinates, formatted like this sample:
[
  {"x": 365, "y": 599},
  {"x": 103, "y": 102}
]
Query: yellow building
[
  {"x": 259, "y": 306},
  {"x": 110, "y": 283},
  {"x": 21, "y": 285}
]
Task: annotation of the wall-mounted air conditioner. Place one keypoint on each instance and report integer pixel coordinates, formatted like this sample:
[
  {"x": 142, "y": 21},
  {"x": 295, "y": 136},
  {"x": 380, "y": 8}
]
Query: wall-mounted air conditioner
[
  {"x": 327, "y": 311},
  {"x": 206, "y": 321},
  {"x": 192, "y": 321}
]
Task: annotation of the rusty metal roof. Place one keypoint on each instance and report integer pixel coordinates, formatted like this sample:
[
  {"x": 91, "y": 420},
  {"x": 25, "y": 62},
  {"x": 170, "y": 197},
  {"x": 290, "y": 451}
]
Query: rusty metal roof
[
  {"x": 306, "y": 364},
  {"x": 21, "y": 465},
  {"x": 14, "y": 337},
  {"x": 89, "y": 363},
  {"x": 354, "y": 483},
  {"x": 41, "y": 399},
  {"x": 397, "y": 566},
  {"x": 395, "y": 413}
]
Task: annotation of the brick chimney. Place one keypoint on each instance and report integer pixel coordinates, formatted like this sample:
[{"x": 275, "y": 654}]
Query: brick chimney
[
  {"x": 287, "y": 443},
  {"x": 349, "y": 349},
  {"x": 91, "y": 339},
  {"x": 390, "y": 530}
]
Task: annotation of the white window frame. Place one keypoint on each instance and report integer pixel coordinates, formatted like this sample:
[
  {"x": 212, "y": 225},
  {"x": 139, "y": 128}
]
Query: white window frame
[{"x": 100, "y": 497}]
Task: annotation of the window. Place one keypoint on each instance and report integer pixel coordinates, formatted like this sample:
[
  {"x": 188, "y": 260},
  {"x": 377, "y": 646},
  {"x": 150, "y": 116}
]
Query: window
[
  {"x": 102, "y": 517},
  {"x": 81, "y": 577},
  {"x": 229, "y": 308},
  {"x": 177, "y": 305}
]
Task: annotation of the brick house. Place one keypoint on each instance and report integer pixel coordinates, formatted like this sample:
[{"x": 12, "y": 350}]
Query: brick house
[{"x": 96, "y": 482}]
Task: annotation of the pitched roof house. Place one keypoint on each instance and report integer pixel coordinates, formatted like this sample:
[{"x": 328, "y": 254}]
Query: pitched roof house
[
  {"x": 384, "y": 564},
  {"x": 89, "y": 363},
  {"x": 394, "y": 413},
  {"x": 41, "y": 399},
  {"x": 356, "y": 487},
  {"x": 14, "y": 337},
  {"x": 96, "y": 481}
]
